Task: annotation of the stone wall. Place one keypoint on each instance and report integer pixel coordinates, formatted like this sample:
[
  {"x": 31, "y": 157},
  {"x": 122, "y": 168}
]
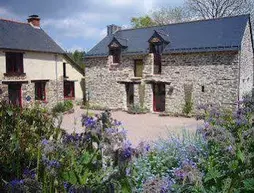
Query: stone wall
[
  {"x": 102, "y": 77},
  {"x": 53, "y": 95},
  {"x": 216, "y": 72},
  {"x": 246, "y": 64}
]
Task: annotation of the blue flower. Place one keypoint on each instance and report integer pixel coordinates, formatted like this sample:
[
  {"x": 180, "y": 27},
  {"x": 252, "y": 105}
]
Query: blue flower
[
  {"x": 16, "y": 182},
  {"x": 29, "y": 173},
  {"x": 88, "y": 122},
  {"x": 44, "y": 142},
  {"x": 126, "y": 151}
]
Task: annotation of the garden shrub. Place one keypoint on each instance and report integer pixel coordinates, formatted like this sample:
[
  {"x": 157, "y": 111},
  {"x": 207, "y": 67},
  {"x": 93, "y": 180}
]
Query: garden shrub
[
  {"x": 21, "y": 130},
  {"x": 41, "y": 158},
  {"x": 137, "y": 109},
  {"x": 62, "y": 107},
  {"x": 170, "y": 164},
  {"x": 188, "y": 105}
]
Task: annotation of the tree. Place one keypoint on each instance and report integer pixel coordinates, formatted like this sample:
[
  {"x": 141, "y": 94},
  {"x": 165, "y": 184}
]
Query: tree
[
  {"x": 162, "y": 16},
  {"x": 144, "y": 21},
  {"x": 78, "y": 57},
  {"x": 167, "y": 15},
  {"x": 219, "y": 8}
]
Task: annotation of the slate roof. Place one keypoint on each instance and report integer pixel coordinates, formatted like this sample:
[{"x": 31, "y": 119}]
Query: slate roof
[
  {"x": 220, "y": 34},
  {"x": 22, "y": 36}
]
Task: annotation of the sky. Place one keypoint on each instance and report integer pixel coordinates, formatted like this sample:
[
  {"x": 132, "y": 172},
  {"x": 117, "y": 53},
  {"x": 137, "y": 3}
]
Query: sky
[{"x": 80, "y": 24}]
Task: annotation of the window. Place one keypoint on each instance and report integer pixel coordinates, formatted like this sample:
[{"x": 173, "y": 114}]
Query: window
[
  {"x": 14, "y": 63},
  {"x": 116, "y": 53},
  {"x": 156, "y": 49},
  {"x": 203, "y": 88},
  {"x": 64, "y": 70},
  {"x": 138, "y": 68},
  {"x": 40, "y": 91},
  {"x": 69, "y": 90}
]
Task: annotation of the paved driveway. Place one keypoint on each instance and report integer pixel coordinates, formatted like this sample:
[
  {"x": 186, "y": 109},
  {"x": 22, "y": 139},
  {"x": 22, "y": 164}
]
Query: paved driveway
[{"x": 139, "y": 127}]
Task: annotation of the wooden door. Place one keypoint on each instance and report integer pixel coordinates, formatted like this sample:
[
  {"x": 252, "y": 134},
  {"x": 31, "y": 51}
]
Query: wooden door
[
  {"x": 129, "y": 94},
  {"x": 14, "y": 91},
  {"x": 159, "y": 97}
]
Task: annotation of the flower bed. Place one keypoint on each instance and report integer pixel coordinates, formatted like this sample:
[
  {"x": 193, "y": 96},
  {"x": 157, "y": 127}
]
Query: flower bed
[{"x": 37, "y": 157}]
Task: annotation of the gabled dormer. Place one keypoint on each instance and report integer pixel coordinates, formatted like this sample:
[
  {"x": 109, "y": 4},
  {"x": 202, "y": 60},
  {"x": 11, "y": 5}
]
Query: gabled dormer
[
  {"x": 115, "y": 48},
  {"x": 157, "y": 43}
]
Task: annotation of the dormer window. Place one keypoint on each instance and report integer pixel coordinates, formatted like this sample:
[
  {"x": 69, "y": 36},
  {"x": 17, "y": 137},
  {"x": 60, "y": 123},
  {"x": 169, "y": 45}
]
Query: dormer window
[
  {"x": 115, "y": 48},
  {"x": 116, "y": 53},
  {"x": 156, "y": 46}
]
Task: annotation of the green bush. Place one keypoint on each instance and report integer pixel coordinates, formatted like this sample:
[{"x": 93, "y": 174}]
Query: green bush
[
  {"x": 188, "y": 106},
  {"x": 136, "y": 109},
  {"x": 21, "y": 131},
  {"x": 62, "y": 107}
]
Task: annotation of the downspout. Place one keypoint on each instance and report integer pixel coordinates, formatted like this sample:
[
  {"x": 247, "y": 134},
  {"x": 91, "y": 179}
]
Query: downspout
[
  {"x": 239, "y": 74},
  {"x": 56, "y": 78}
]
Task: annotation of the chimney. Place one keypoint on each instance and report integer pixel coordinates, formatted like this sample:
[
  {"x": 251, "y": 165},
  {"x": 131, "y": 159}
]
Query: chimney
[
  {"x": 34, "y": 20},
  {"x": 113, "y": 29}
]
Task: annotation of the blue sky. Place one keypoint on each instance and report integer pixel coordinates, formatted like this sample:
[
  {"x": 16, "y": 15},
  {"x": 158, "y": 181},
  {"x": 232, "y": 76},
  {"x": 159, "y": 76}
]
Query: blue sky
[{"x": 80, "y": 24}]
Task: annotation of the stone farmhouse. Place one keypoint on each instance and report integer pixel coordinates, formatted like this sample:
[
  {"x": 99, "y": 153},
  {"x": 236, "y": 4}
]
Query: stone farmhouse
[
  {"x": 161, "y": 68},
  {"x": 34, "y": 68}
]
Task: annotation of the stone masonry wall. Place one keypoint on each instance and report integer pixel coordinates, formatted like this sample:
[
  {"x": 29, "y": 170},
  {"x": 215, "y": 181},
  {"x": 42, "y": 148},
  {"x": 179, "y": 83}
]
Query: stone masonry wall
[
  {"x": 28, "y": 90},
  {"x": 217, "y": 72},
  {"x": 102, "y": 78},
  {"x": 246, "y": 64}
]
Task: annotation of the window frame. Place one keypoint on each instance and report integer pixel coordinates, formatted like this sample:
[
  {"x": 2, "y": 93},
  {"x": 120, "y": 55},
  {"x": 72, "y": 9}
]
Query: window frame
[
  {"x": 116, "y": 53},
  {"x": 14, "y": 63},
  {"x": 72, "y": 89},
  {"x": 135, "y": 67},
  {"x": 64, "y": 70},
  {"x": 40, "y": 91}
]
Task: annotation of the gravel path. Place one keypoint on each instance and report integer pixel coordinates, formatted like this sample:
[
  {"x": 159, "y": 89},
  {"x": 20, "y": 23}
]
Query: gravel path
[{"x": 146, "y": 127}]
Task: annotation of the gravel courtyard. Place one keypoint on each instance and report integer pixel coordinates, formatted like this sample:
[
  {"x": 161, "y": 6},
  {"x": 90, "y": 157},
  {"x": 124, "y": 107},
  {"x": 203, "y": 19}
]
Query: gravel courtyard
[{"x": 146, "y": 127}]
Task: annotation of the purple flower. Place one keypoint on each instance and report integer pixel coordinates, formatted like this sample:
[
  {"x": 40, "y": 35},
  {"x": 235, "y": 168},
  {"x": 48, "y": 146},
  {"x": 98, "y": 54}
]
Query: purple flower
[
  {"x": 88, "y": 122},
  {"x": 206, "y": 125},
  {"x": 44, "y": 142},
  {"x": 147, "y": 147},
  {"x": 29, "y": 173},
  {"x": 126, "y": 151},
  {"x": 51, "y": 163},
  {"x": 117, "y": 123},
  {"x": 179, "y": 173},
  {"x": 66, "y": 185},
  {"x": 110, "y": 130},
  {"x": 15, "y": 182}
]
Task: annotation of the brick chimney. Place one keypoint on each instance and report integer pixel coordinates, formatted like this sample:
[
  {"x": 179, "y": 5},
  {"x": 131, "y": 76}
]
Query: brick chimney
[
  {"x": 113, "y": 29},
  {"x": 34, "y": 20}
]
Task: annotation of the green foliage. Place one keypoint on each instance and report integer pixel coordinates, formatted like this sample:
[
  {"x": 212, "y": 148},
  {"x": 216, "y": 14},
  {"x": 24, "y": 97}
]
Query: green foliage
[
  {"x": 62, "y": 107},
  {"x": 144, "y": 21},
  {"x": 137, "y": 109},
  {"x": 142, "y": 94},
  {"x": 78, "y": 57},
  {"x": 188, "y": 106},
  {"x": 21, "y": 130}
]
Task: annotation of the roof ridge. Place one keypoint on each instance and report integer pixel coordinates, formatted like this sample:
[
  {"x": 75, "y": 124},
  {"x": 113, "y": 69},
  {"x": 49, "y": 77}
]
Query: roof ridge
[
  {"x": 185, "y": 22},
  {"x": 9, "y": 20}
]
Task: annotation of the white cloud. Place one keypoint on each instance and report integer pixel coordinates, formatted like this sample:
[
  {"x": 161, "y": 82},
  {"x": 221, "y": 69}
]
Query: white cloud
[{"x": 7, "y": 14}]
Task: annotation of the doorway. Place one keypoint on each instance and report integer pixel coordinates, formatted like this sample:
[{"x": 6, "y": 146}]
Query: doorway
[
  {"x": 129, "y": 94},
  {"x": 159, "y": 97},
  {"x": 14, "y": 92}
]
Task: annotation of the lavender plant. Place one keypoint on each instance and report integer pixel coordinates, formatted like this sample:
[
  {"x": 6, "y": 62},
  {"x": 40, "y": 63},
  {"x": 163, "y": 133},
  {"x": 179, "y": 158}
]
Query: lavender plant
[{"x": 171, "y": 164}]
